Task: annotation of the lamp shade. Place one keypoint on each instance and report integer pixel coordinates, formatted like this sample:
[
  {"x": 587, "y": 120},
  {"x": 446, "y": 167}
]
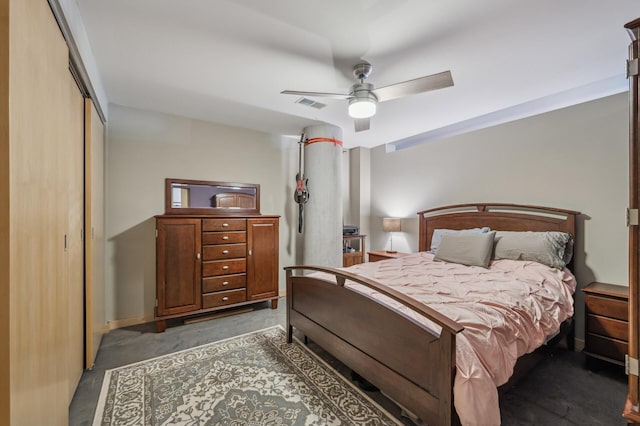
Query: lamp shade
[{"x": 391, "y": 224}]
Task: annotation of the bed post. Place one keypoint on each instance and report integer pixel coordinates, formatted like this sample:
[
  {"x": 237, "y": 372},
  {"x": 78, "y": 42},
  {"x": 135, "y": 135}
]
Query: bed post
[{"x": 448, "y": 415}]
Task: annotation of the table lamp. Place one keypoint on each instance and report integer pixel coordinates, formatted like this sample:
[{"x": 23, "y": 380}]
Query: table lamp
[{"x": 391, "y": 224}]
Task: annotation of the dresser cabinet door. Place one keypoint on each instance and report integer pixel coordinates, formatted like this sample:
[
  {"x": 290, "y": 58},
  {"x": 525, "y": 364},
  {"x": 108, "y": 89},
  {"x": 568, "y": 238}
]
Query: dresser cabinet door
[
  {"x": 178, "y": 263},
  {"x": 262, "y": 258}
]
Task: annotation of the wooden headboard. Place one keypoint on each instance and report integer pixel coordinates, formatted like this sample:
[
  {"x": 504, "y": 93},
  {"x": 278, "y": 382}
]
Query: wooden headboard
[{"x": 497, "y": 216}]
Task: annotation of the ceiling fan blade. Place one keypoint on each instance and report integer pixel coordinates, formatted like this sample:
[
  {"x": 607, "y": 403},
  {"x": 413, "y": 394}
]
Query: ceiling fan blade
[
  {"x": 316, "y": 94},
  {"x": 362, "y": 124},
  {"x": 411, "y": 87}
]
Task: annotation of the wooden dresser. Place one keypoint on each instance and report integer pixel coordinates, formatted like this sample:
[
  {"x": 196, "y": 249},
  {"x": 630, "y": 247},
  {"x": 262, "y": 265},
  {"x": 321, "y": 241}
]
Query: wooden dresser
[
  {"x": 606, "y": 322},
  {"x": 207, "y": 263}
]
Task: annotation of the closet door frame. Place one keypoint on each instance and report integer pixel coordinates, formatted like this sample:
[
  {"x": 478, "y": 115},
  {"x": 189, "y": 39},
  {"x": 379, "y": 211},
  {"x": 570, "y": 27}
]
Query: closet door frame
[
  {"x": 631, "y": 411},
  {"x": 76, "y": 231}
]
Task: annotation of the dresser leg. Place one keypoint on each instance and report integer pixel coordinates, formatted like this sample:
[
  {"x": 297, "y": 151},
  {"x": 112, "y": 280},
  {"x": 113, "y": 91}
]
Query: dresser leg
[
  {"x": 274, "y": 303},
  {"x": 161, "y": 326}
]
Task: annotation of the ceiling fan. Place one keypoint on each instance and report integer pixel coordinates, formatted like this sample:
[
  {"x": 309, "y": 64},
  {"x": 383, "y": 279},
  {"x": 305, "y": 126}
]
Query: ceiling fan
[{"x": 363, "y": 98}]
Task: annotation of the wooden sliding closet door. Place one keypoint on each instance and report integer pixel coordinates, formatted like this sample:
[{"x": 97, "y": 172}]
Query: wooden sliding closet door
[
  {"x": 39, "y": 296},
  {"x": 40, "y": 224},
  {"x": 94, "y": 224}
]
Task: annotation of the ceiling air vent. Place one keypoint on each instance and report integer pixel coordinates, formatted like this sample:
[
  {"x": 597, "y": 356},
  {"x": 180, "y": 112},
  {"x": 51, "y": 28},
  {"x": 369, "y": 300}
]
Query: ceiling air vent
[{"x": 311, "y": 103}]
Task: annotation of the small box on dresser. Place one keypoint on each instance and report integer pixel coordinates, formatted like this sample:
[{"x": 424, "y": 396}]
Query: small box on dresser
[{"x": 606, "y": 322}]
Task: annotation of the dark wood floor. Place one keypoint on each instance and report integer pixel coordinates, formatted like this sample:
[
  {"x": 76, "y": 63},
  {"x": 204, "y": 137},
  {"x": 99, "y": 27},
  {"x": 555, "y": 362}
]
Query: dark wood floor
[{"x": 559, "y": 391}]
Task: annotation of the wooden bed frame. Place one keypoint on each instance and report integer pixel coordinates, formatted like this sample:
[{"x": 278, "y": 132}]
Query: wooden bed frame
[{"x": 409, "y": 363}]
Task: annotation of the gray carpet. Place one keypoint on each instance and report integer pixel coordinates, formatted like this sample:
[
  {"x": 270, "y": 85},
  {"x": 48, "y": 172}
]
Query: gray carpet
[{"x": 559, "y": 391}]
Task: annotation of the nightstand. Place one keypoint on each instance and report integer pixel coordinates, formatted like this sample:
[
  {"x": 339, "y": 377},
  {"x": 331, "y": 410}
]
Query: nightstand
[
  {"x": 375, "y": 256},
  {"x": 352, "y": 249},
  {"x": 606, "y": 322}
]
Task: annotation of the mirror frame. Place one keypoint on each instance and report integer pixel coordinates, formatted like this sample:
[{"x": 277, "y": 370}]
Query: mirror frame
[{"x": 221, "y": 211}]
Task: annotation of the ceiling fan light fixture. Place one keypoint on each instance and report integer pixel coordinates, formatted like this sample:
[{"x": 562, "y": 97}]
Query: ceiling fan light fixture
[
  {"x": 363, "y": 97},
  {"x": 362, "y": 107}
]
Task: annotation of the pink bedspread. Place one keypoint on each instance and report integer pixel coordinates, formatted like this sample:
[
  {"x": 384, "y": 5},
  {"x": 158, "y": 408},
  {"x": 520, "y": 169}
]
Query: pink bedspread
[{"x": 507, "y": 311}]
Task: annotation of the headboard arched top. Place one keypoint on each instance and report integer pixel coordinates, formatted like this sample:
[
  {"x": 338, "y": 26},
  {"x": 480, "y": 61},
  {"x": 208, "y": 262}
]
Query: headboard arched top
[{"x": 497, "y": 216}]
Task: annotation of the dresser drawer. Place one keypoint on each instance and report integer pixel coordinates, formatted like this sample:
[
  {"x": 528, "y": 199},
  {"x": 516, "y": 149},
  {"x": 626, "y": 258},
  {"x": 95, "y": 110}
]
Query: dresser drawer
[
  {"x": 222, "y": 298},
  {"x": 224, "y": 224},
  {"x": 225, "y": 282},
  {"x": 223, "y": 267},
  {"x": 614, "y": 328},
  {"x": 605, "y": 346},
  {"x": 231, "y": 237},
  {"x": 224, "y": 251},
  {"x": 608, "y": 307}
]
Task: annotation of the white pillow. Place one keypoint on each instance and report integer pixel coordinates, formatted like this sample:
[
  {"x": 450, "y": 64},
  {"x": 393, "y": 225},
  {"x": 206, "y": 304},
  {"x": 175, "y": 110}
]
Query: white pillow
[{"x": 439, "y": 233}]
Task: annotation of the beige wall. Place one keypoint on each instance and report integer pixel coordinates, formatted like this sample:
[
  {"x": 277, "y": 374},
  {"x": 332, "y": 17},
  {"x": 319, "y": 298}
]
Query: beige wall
[
  {"x": 574, "y": 158},
  {"x": 143, "y": 149}
]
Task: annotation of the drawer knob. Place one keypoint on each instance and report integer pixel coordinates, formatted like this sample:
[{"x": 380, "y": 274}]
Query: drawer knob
[
  {"x": 225, "y": 283},
  {"x": 224, "y": 225},
  {"x": 226, "y": 237},
  {"x": 225, "y": 267},
  {"x": 224, "y": 299},
  {"x": 225, "y": 251}
]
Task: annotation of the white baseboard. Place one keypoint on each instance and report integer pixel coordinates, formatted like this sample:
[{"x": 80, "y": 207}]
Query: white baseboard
[{"x": 579, "y": 345}]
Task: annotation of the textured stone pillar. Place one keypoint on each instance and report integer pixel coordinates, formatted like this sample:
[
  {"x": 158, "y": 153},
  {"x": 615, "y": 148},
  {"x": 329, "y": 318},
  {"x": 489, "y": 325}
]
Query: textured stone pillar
[{"x": 323, "y": 212}]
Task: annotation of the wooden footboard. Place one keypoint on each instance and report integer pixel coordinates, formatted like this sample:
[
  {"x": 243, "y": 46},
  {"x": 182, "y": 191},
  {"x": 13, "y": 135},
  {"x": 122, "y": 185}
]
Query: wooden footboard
[{"x": 408, "y": 362}]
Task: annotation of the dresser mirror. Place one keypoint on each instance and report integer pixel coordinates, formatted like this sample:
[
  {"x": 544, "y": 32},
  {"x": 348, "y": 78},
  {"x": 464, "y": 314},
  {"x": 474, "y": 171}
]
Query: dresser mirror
[{"x": 184, "y": 196}]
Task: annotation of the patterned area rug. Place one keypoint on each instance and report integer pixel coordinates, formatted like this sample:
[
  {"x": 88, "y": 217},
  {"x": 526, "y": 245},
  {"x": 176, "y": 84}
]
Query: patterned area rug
[{"x": 251, "y": 380}]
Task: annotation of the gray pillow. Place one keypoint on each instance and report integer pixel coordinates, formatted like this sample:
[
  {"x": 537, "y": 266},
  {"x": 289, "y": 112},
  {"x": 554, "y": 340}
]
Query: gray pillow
[
  {"x": 466, "y": 248},
  {"x": 553, "y": 249},
  {"x": 438, "y": 233}
]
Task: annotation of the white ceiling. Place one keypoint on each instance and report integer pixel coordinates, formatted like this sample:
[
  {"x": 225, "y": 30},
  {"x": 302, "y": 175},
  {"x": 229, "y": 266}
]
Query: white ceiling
[{"x": 227, "y": 61}]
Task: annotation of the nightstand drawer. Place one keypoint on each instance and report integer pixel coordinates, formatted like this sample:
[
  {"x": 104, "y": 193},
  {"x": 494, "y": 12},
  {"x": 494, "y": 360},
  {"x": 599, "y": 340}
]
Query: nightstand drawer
[
  {"x": 607, "y": 347},
  {"x": 608, "y": 307},
  {"x": 376, "y": 258},
  {"x": 604, "y": 326}
]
